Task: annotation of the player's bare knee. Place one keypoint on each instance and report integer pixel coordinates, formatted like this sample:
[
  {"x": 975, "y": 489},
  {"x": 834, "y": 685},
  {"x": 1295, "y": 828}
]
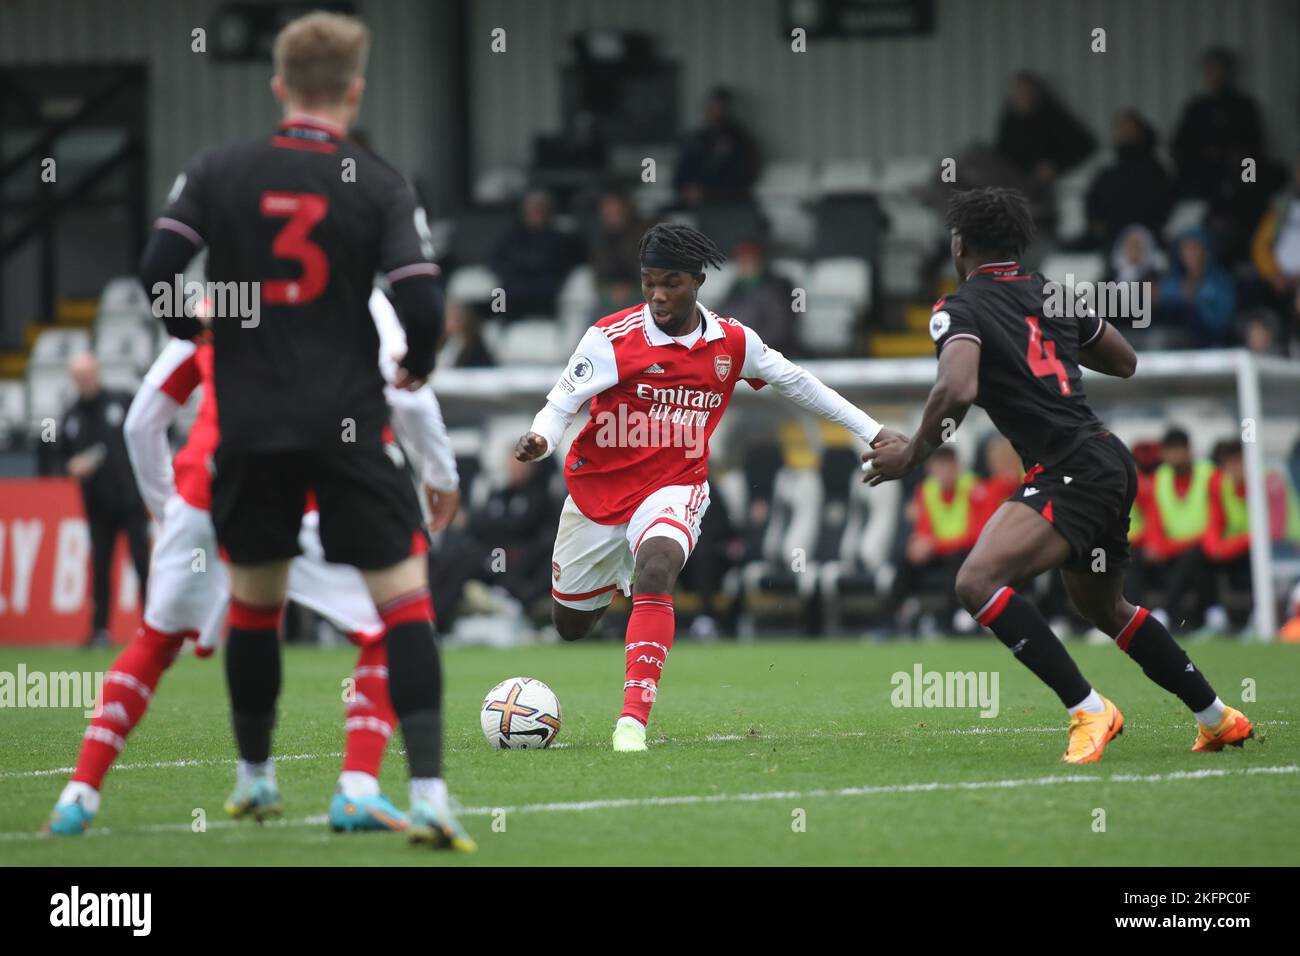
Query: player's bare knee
[
  {"x": 974, "y": 586},
  {"x": 657, "y": 565},
  {"x": 572, "y": 624}
]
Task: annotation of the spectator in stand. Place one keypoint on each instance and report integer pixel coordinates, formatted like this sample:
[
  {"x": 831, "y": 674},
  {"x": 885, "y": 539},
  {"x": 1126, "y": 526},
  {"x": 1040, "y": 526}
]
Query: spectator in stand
[
  {"x": 1215, "y": 129},
  {"x": 1227, "y": 534},
  {"x": 720, "y": 160},
  {"x": 1136, "y": 256},
  {"x": 1135, "y": 189},
  {"x": 1275, "y": 254},
  {"x": 1038, "y": 136},
  {"x": 759, "y": 297},
  {"x": 1147, "y": 456},
  {"x": 944, "y": 528},
  {"x": 1198, "y": 293},
  {"x": 462, "y": 344},
  {"x": 615, "y": 251},
  {"x": 93, "y": 450},
  {"x": 1175, "y": 529},
  {"x": 533, "y": 259},
  {"x": 505, "y": 541}
]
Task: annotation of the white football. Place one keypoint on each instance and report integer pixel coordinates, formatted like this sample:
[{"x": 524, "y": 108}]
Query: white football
[{"x": 520, "y": 714}]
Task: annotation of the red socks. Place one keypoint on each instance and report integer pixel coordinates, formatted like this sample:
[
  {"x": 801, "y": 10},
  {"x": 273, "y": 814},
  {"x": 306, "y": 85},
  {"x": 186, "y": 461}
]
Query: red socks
[
  {"x": 370, "y": 716},
  {"x": 649, "y": 638},
  {"x": 128, "y": 688}
]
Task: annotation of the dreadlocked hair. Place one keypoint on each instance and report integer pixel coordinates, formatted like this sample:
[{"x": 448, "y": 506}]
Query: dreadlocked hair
[
  {"x": 991, "y": 220},
  {"x": 681, "y": 242}
]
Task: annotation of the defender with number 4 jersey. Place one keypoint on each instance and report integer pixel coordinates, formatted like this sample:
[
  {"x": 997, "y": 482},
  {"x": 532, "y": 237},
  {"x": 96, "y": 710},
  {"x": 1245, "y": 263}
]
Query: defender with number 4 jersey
[{"x": 1029, "y": 383}]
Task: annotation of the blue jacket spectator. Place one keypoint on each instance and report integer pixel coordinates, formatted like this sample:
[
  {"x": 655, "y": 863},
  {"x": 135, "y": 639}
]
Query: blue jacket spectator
[{"x": 1199, "y": 292}]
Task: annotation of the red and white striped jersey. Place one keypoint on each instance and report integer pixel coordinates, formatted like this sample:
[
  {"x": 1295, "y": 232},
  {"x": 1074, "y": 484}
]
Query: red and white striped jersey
[
  {"x": 655, "y": 401},
  {"x": 654, "y": 404}
]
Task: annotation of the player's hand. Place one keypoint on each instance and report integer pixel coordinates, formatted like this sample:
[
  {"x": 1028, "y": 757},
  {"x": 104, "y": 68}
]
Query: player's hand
[
  {"x": 889, "y": 458},
  {"x": 408, "y": 382},
  {"x": 530, "y": 447},
  {"x": 82, "y": 466},
  {"x": 443, "y": 506}
]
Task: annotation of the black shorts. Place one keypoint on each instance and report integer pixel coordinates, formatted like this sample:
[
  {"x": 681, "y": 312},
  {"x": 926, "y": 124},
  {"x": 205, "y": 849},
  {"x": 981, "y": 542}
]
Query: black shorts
[
  {"x": 1087, "y": 496},
  {"x": 369, "y": 515}
]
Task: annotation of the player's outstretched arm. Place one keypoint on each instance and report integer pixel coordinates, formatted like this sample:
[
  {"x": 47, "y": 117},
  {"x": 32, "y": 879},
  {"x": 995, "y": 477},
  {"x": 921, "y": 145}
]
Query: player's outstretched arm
[
  {"x": 591, "y": 370},
  {"x": 805, "y": 389},
  {"x": 1110, "y": 354},
  {"x": 166, "y": 387},
  {"x": 954, "y": 392}
]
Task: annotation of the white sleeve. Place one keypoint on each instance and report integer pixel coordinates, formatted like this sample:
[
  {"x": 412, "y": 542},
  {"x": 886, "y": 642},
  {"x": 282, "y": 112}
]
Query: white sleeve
[
  {"x": 591, "y": 370},
  {"x": 417, "y": 419},
  {"x": 151, "y": 413},
  {"x": 804, "y": 388},
  {"x": 392, "y": 337},
  {"x": 416, "y": 416},
  {"x": 551, "y": 423}
]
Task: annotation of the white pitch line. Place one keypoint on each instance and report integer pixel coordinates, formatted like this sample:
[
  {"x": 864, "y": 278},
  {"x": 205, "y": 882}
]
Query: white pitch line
[
  {"x": 710, "y": 738},
  {"x": 696, "y": 799},
  {"x": 160, "y": 765}
]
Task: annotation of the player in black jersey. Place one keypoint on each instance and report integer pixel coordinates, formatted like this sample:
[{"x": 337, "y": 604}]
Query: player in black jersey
[
  {"x": 1001, "y": 347},
  {"x": 297, "y": 223}
]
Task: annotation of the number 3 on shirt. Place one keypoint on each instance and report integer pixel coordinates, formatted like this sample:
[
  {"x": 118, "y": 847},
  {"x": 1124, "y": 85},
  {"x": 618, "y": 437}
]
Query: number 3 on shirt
[
  {"x": 1042, "y": 356},
  {"x": 303, "y": 210}
]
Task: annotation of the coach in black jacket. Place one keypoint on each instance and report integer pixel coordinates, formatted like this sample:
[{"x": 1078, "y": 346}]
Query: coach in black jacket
[{"x": 91, "y": 445}]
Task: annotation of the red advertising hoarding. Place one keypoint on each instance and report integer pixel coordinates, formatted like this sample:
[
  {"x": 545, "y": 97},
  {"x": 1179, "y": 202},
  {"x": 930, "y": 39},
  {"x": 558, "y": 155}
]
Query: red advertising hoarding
[{"x": 45, "y": 571}]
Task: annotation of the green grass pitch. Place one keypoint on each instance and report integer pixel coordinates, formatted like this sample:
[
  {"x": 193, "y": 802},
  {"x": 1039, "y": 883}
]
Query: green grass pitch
[{"x": 766, "y": 753}]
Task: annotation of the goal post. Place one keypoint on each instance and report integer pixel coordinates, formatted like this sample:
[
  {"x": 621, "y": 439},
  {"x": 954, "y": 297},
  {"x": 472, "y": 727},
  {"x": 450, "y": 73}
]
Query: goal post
[{"x": 1212, "y": 393}]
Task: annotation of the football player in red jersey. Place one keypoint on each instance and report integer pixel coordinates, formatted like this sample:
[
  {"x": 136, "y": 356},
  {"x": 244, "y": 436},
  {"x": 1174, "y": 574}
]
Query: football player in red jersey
[
  {"x": 659, "y": 376},
  {"x": 189, "y": 589}
]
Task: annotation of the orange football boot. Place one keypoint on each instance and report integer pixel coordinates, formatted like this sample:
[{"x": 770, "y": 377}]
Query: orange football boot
[
  {"x": 1090, "y": 733},
  {"x": 1233, "y": 729}
]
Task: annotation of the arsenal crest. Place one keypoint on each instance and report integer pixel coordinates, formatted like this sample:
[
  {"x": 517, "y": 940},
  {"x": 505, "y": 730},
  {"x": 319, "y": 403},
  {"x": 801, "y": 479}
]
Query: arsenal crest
[{"x": 722, "y": 365}]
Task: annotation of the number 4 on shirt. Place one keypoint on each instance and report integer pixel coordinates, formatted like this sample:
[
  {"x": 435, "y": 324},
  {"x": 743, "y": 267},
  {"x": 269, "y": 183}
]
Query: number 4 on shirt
[
  {"x": 303, "y": 211},
  {"x": 1042, "y": 356}
]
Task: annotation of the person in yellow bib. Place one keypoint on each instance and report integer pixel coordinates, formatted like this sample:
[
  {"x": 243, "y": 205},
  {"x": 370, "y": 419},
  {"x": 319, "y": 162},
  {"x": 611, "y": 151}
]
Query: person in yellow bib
[
  {"x": 1175, "y": 531},
  {"x": 946, "y": 521}
]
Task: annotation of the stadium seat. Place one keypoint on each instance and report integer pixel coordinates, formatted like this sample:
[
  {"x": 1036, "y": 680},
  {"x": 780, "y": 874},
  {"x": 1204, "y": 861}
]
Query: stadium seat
[
  {"x": 54, "y": 347},
  {"x": 472, "y": 285},
  {"x": 846, "y": 176},
  {"x": 912, "y": 222},
  {"x": 784, "y": 562},
  {"x": 795, "y": 271},
  {"x": 863, "y": 567},
  {"x": 900, "y": 270},
  {"x": 124, "y": 338},
  {"x": 728, "y": 223},
  {"x": 717, "y": 283},
  {"x": 577, "y": 303},
  {"x": 1084, "y": 267},
  {"x": 791, "y": 227},
  {"x": 838, "y": 292},
  {"x": 787, "y": 179},
  {"x": 13, "y": 409},
  {"x": 500, "y": 185},
  {"x": 124, "y": 294},
  {"x": 906, "y": 174},
  {"x": 532, "y": 341},
  {"x": 123, "y": 376},
  {"x": 1186, "y": 214},
  {"x": 49, "y": 392}
]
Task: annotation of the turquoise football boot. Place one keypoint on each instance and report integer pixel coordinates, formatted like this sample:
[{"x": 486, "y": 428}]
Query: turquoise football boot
[{"x": 353, "y": 814}]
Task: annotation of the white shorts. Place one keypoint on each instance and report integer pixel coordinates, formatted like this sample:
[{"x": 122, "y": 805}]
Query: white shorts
[
  {"x": 337, "y": 592},
  {"x": 189, "y": 587},
  {"x": 590, "y": 560}
]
